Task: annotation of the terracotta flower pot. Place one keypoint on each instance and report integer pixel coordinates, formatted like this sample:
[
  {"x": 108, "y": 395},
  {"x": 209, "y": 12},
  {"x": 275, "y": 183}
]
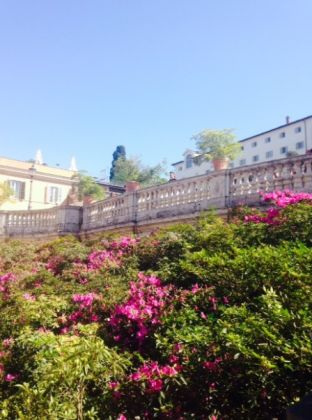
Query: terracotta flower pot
[
  {"x": 220, "y": 164},
  {"x": 87, "y": 199},
  {"x": 132, "y": 186}
]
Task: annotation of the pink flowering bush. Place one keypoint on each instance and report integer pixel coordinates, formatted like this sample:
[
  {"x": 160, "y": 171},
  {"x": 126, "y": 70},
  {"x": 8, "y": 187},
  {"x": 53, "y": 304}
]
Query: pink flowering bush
[
  {"x": 204, "y": 321},
  {"x": 6, "y": 282},
  {"x": 133, "y": 321}
]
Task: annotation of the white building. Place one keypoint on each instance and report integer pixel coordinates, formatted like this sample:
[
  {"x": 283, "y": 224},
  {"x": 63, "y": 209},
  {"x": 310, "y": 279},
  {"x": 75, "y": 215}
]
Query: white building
[
  {"x": 35, "y": 185},
  {"x": 291, "y": 138}
]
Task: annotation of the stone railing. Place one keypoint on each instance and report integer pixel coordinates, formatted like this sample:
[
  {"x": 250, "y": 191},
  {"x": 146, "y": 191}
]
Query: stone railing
[
  {"x": 110, "y": 212},
  {"x": 40, "y": 222},
  {"x": 167, "y": 202},
  {"x": 285, "y": 174}
]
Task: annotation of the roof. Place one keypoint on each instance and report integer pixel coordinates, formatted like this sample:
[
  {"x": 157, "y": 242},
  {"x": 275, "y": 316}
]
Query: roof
[
  {"x": 260, "y": 134},
  {"x": 276, "y": 128},
  {"x": 44, "y": 169},
  {"x": 176, "y": 163}
]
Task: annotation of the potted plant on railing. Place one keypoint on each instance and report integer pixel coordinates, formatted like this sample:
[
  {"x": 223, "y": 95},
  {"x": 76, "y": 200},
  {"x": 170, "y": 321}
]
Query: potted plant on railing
[{"x": 219, "y": 146}]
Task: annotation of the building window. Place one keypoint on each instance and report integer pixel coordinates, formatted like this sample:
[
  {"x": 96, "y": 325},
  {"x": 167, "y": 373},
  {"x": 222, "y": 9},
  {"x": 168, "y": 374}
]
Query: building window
[
  {"x": 242, "y": 147},
  {"x": 255, "y": 158},
  {"x": 269, "y": 154},
  {"x": 180, "y": 168},
  {"x": 298, "y": 130},
  {"x": 242, "y": 162},
  {"x": 299, "y": 145},
  {"x": 283, "y": 134},
  {"x": 189, "y": 161},
  {"x": 54, "y": 195},
  {"x": 18, "y": 189},
  {"x": 268, "y": 140},
  {"x": 254, "y": 144},
  {"x": 284, "y": 150}
]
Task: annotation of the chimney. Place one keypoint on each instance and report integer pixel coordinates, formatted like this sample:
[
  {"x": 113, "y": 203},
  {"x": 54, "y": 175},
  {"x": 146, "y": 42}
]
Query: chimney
[
  {"x": 287, "y": 119},
  {"x": 132, "y": 186}
]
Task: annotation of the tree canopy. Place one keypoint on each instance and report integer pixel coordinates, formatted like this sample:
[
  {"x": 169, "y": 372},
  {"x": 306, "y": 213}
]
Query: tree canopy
[
  {"x": 88, "y": 187},
  {"x": 5, "y": 192},
  {"x": 132, "y": 169},
  {"x": 120, "y": 152},
  {"x": 217, "y": 144}
]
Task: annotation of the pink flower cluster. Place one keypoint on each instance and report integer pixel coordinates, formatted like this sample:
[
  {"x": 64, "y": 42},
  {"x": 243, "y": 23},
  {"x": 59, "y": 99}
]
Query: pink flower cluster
[
  {"x": 124, "y": 243},
  {"x": 54, "y": 264},
  {"x": 151, "y": 374},
  {"x": 154, "y": 374},
  {"x": 5, "y": 281},
  {"x": 112, "y": 254},
  {"x": 28, "y": 296},
  {"x": 281, "y": 199},
  {"x": 133, "y": 320},
  {"x": 84, "y": 300},
  {"x": 5, "y": 355},
  {"x": 212, "y": 366},
  {"x": 271, "y": 217},
  {"x": 287, "y": 197},
  {"x": 86, "y": 313},
  {"x": 103, "y": 258}
]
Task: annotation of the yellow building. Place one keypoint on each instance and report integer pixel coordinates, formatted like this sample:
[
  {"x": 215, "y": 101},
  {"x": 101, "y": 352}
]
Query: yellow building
[{"x": 35, "y": 185}]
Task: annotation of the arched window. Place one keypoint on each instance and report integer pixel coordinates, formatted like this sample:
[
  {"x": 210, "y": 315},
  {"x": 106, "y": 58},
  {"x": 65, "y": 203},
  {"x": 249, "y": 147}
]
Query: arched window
[{"x": 189, "y": 161}]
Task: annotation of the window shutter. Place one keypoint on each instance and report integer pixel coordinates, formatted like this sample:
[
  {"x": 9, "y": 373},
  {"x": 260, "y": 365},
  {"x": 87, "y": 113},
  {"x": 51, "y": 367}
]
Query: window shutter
[
  {"x": 46, "y": 195},
  {"x": 59, "y": 195},
  {"x": 22, "y": 191}
]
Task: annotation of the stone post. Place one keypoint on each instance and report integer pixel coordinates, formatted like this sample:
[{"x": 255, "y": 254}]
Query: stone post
[{"x": 69, "y": 219}]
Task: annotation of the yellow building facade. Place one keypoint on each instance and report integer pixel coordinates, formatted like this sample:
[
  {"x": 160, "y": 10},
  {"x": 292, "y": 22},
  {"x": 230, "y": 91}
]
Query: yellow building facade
[{"x": 36, "y": 185}]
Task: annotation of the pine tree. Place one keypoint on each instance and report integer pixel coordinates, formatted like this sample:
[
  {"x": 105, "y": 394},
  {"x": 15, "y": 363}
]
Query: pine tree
[{"x": 120, "y": 152}]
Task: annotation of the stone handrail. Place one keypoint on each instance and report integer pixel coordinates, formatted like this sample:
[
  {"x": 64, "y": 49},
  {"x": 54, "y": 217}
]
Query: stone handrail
[
  {"x": 34, "y": 222},
  {"x": 108, "y": 212},
  {"x": 171, "y": 201},
  {"x": 285, "y": 174}
]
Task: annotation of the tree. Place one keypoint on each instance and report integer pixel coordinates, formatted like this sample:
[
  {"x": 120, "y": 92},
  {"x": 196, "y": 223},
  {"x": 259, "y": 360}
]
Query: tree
[
  {"x": 217, "y": 144},
  {"x": 133, "y": 170},
  {"x": 5, "y": 192},
  {"x": 120, "y": 152},
  {"x": 87, "y": 187}
]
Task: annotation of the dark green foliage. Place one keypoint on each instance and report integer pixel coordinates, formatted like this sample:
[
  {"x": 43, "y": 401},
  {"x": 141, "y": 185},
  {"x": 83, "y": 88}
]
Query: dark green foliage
[
  {"x": 236, "y": 324},
  {"x": 120, "y": 152}
]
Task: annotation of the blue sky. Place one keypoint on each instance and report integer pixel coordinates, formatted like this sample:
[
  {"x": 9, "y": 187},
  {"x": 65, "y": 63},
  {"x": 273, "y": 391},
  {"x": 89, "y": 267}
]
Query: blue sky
[{"x": 80, "y": 77}]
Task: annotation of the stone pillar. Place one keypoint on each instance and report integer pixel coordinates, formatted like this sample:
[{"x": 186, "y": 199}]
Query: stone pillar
[
  {"x": 2, "y": 223},
  {"x": 69, "y": 219}
]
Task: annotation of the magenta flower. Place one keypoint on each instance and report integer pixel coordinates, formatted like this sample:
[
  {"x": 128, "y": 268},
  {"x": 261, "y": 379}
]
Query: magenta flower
[
  {"x": 10, "y": 377},
  {"x": 28, "y": 296}
]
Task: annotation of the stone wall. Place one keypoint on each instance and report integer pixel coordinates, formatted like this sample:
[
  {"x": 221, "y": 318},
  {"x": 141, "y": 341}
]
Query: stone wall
[{"x": 166, "y": 203}]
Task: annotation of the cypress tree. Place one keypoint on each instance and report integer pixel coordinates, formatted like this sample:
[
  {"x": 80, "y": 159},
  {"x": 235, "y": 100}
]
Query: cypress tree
[{"x": 120, "y": 152}]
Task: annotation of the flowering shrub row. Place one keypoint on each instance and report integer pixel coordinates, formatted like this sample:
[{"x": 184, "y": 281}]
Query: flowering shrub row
[{"x": 208, "y": 321}]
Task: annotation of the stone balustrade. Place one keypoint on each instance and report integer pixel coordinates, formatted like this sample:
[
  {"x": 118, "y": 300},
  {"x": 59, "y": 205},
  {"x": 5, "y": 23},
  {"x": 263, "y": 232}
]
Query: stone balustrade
[
  {"x": 286, "y": 174},
  {"x": 167, "y": 202},
  {"x": 40, "y": 222}
]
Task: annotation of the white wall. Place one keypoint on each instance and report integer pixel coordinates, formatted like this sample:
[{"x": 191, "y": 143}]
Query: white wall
[{"x": 292, "y": 140}]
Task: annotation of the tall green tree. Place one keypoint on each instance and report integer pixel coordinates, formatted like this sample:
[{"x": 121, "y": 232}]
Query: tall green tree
[
  {"x": 132, "y": 169},
  {"x": 87, "y": 187},
  {"x": 120, "y": 152}
]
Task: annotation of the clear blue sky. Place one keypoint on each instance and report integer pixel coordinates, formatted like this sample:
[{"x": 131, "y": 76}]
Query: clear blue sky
[{"x": 79, "y": 77}]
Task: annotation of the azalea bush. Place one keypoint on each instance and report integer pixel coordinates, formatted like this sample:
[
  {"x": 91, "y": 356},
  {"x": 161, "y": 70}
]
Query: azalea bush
[{"x": 210, "y": 321}]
